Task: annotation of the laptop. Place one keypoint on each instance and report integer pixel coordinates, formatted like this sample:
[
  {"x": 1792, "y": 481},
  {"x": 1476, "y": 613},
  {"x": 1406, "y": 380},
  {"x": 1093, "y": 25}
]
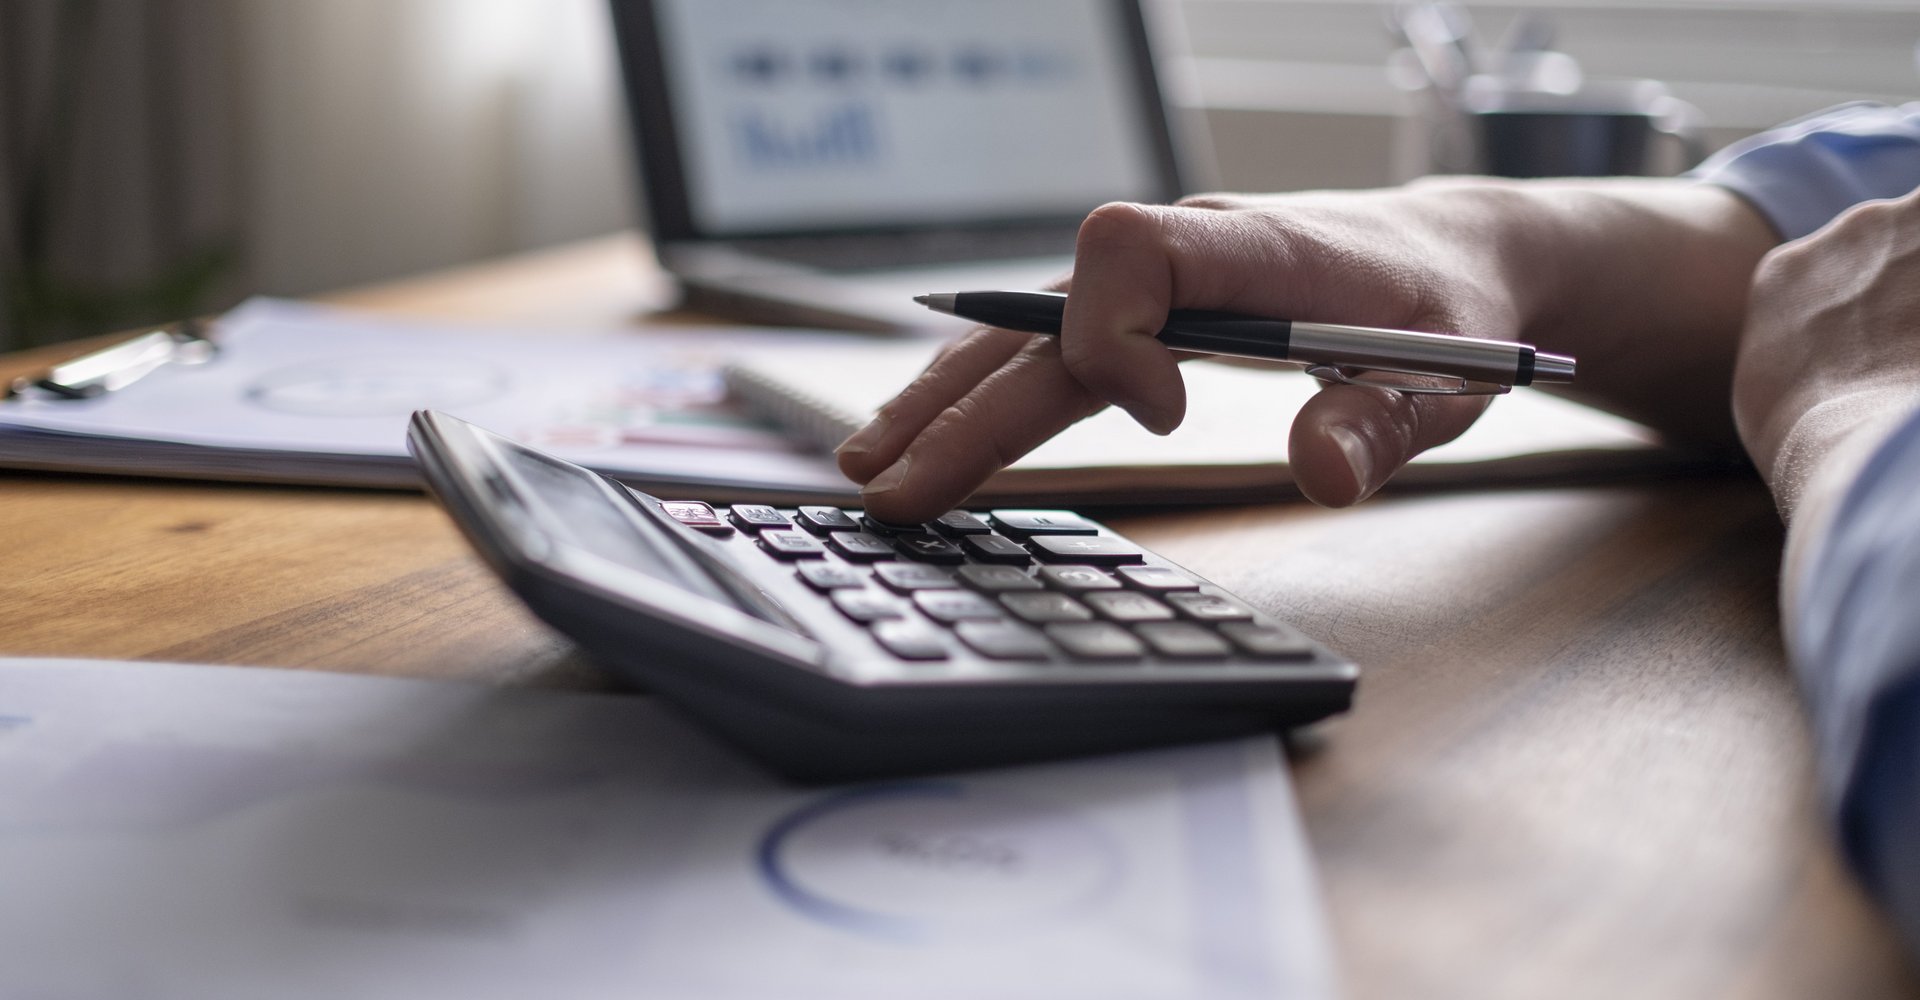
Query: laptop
[{"x": 820, "y": 162}]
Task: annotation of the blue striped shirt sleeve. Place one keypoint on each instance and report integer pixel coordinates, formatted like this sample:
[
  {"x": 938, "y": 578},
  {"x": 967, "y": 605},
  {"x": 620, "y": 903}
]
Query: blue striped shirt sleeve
[{"x": 1803, "y": 174}]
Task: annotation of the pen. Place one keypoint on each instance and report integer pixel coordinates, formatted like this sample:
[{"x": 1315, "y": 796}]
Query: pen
[{"x": 1330, "y": 345}]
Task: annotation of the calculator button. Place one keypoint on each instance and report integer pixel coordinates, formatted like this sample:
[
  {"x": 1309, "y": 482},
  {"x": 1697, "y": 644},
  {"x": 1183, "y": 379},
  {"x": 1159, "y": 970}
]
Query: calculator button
[
  {"x": 1101, "y": 550},
  {"x": 821, "y": 520},
  {"x": 949, "y": 606},
  {"x": 694, "y": 514},
  {"x": 907, "y": 577},
  {"x": 791, "y": 545},
  {"x": 879, "y": 527},
  {"x": 1157, "y": 578},
  {"x": 1077, "y": 578},
  {"x": 867, "y": 605},
  {"x": 1127, "y": 606},
  {"x": 1004, "y": 640},
  {"x": 858, "y": 546},
  {"x": 1096, "y": 641},
  {"x": 910, "y": 640},
  {"x": 960, "y": 522},
  {"x": 1183, "y": 641},
  {"x": 823, "y": 575},
  {"x": 1029, "y": 523},
  {"x": 1268, "y": 643},
  {"x": 996, "y": 549},
  {"x": 994, "y": 579},
  {"x": 1043, "y": 607},
  {"x": 757, "y": 517},
  {"x": 929, "y": 548},
  {"x": 1209, "y": 607}
]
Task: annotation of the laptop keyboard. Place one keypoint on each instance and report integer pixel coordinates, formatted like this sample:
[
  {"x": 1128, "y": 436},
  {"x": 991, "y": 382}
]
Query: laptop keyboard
[{"x": 892, "y": 250}]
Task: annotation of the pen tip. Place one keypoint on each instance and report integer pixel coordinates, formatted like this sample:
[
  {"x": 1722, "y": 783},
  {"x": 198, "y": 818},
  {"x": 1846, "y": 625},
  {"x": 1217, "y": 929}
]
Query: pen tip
[{"x": 925, "y": 300}]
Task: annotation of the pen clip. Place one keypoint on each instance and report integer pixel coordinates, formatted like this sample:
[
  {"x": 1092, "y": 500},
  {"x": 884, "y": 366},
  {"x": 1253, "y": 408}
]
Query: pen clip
[
  {"x": 116, "y": 367},
  {"x": 1404, "y": 382}
]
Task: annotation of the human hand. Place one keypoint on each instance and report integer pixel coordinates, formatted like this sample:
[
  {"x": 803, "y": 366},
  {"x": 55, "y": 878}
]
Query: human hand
[
  {"x": 1831, "y": 348},
  {"x": 1581, "y": 266}
]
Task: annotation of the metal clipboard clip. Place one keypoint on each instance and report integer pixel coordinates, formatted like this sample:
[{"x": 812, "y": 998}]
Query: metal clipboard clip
[
  {"x": 1418, "y": 385},
  {"x": 119, "y": 366}
]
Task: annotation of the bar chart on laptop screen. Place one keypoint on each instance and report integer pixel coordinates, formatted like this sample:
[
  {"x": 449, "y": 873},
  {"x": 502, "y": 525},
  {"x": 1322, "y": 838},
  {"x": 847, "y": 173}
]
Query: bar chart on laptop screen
[{"x": 868, "y": 112}]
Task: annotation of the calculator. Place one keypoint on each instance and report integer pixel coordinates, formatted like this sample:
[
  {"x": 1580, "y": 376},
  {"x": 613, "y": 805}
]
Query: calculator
[{"x": 833, "y": 646}]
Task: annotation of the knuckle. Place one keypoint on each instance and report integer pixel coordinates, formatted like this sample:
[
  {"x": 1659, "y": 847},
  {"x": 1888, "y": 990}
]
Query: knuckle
[
  {"x": 1118, "y": 223},
  {"x": 1213, "y": 200}
]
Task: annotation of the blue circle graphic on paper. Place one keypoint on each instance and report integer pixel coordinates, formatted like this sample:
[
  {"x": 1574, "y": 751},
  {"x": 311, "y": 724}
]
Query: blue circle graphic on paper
[{"x": 912, "y": 861}]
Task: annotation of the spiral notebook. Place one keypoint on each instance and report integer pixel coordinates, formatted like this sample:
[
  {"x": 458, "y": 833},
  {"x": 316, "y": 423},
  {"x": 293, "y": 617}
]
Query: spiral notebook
[{"x": 1232, "y": 446}]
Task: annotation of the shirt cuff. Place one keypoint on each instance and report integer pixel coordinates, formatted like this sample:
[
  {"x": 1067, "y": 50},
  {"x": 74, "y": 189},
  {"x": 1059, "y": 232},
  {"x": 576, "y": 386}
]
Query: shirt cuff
[{"x": 1803, "y": 174}]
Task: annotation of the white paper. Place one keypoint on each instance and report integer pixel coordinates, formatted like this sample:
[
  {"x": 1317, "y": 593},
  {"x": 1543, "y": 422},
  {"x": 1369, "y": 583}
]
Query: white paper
[{"x": 214, "y": 832}]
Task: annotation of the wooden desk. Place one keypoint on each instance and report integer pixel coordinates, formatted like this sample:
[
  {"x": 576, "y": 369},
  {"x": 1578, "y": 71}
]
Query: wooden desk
[{"x": 1577, "y": 767}]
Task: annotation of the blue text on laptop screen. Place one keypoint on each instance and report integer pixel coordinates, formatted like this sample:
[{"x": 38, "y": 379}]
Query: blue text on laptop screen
[{"x": 827, "y": 113}]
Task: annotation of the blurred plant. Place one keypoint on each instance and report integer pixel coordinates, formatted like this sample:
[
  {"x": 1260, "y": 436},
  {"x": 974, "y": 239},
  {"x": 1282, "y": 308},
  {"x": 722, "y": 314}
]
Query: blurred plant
[{"x": 41, "y": 303}]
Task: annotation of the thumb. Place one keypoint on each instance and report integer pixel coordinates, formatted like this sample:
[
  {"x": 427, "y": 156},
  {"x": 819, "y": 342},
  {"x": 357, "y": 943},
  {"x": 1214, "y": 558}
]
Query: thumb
[{"x": 1348, "y": 440}]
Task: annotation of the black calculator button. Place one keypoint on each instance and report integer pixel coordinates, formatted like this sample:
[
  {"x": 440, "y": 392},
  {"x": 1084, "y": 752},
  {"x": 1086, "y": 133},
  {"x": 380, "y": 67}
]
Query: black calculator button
[
  {"x": 1078, "y": 578},
  {"x": 883, "y": 528},
  {"x": 1157, "y": 578},
  {"x": 867, "y": 605},
  {"x": 1266, "y": 642},
  {"x": 996, "y": 579},
  {"x": 908, "y": 577},
  {"x": 695, "y": 514},
  {"x": 1099, "y": 550},
  {"x": 823, "y": 575},
  {"x": 791, "y": 544},
  {"x": 821, "y": 520},
  {"x": 929, "y": 548},
  {"x": 1183, "y": 641},
  {"x": 1096, "y": 641},
  {"x": 949, "y": 606},
  {"x": 1044, "y": 607},
  {"x": 1031, "y": 523},
  {"x": 910, "y": 640},
  {"x": 858, "y": 546},
  {"x": 1127, "y": 606},
  {"x": 996, "y": 549},
  {"x": 1004, "y": 640},
  {"x": 960, "y": 522},
  {"x": 1209, "y": 607},
  {"x": 757, "y": 517}
]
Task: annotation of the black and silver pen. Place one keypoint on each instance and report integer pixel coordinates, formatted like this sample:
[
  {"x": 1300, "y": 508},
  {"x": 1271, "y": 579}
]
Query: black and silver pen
[{"x": 1501, "y": 362}]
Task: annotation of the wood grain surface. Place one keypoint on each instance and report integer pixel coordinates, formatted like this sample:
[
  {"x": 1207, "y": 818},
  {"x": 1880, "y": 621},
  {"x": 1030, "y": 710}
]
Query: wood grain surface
[{"x": 1577, "y": 766}]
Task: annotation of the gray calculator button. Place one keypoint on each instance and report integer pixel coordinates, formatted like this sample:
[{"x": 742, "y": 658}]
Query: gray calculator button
[
  {"x": 929, "y": 548},
  {"x": 1157, "y": 578},
  {"x": 821, "y": 520},
  {"x": 867, "y": 605},
  {"x": 1096, "y": 641},
  {"x": 1031, "y": 523},
  {"x": 1004, "y": 640},
  {"x": 1100, "y": 550},
  {"x": 1183, "y": 641},
  {"x": 886, "y": 529},
  {"x": 949, "y": 606},
  {"x": 1209, "y": 607},
  {"x": 960, "y": 522},
  {"x": 1045, "y": 607},
  {"x": 1268, "y": 643},
  {"x": 910, "y": 640},
  {"x": 994, "y": 579},
  {"x": 1077, "y": 578},
  {"x": 757, "y": 517},
  {"x": 791, "y": 544},
  {"x": 907, "y": 577},
  {"x": 695, "y": 514},
  {"x": 823, "y": 575},
  {"x": 1127, "y": 606},
  {"x": 996, "y": 549},
  {"x": 859, "y": 546}
]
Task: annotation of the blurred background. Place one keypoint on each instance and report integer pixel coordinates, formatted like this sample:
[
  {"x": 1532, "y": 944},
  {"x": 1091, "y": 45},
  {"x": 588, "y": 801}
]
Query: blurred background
[{"x": 165, "y": 157}]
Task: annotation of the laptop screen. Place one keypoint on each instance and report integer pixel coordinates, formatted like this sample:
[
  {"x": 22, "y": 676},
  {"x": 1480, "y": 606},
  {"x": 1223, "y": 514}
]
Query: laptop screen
[{"x": 792, "y": 116}]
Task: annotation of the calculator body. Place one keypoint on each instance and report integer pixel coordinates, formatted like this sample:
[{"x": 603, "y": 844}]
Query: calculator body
[{"x": 851, "y": 649}]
